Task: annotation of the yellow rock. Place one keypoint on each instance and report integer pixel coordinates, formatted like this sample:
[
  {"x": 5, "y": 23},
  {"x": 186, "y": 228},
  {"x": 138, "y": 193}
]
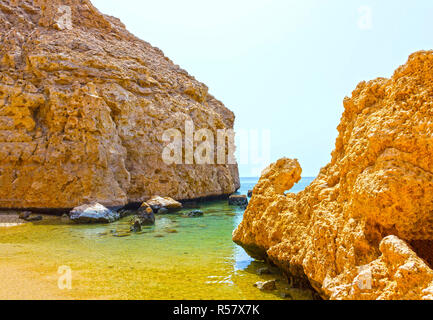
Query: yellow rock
[
  {"x": 164, "y": 202},
  {"x": 364, "y": 228}
]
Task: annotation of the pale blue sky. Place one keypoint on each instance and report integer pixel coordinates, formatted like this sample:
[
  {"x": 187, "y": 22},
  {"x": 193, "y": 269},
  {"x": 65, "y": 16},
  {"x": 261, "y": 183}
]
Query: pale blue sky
[{"x": 283, "y": 65}]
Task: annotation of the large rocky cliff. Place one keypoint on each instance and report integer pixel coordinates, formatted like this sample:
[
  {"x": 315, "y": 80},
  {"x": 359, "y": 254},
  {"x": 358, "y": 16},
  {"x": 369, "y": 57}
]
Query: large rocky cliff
[
  {"x": 364, "y": 228},
  {"x": 83, "y": 108}
]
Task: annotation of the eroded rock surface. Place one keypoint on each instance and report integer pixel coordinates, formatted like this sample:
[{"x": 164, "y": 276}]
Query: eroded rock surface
[
  {"x": 362, "y": 229},
  {"x": 83, "y": 107}
]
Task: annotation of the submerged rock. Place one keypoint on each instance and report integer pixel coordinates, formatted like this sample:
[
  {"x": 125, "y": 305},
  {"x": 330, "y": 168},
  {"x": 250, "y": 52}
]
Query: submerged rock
[
  {"x": 270, "y": 285},
  {"x": 25, "y": 215},
  {"x": 84, "y": 107},
  {"x": 163, "y": 211},
  {"x": 93, "y": 213},
  {"x": 363, "y": 228},
  {"x": 238, "y": 200},
  {"x": 121, "y": 235},
  {"x": 194, "y": 214},
  {"x": 171, "y": 231},
  {"x": 263, "y": 271},
  {"x": 34, "y": 218},
  {"x": 136, "y": 225}
]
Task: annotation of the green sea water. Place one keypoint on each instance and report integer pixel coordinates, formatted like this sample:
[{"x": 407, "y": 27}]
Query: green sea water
[{"x": 178, "y": 258}]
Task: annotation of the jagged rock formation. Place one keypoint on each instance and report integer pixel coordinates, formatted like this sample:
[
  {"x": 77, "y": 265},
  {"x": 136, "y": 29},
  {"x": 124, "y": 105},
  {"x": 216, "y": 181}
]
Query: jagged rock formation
[
  {"x": 83, "y": 107},
  {"x": 364, "y": 228}
]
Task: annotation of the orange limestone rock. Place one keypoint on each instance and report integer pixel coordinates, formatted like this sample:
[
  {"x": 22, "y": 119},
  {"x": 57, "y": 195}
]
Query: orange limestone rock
[
  {"x": 83, "y": 108},
  {"x": 364, "y": 228}
]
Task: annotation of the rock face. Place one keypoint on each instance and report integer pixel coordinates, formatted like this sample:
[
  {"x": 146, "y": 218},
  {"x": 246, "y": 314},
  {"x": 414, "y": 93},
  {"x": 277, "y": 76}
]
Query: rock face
[
  {"x": 93, "y": 213},
  {"x": 364, "y": 228},
  {"x": 83, "y": 108}
]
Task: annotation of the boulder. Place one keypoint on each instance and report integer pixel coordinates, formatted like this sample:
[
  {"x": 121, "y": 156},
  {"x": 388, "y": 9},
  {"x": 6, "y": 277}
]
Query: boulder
[
  {"x": 146, "y": 217},
  {"x": 238, "y": 200},
  {"x": 168, "y": 203},
  {"x": 93, "y": 213},
  {"x": 145, "y": 208}
]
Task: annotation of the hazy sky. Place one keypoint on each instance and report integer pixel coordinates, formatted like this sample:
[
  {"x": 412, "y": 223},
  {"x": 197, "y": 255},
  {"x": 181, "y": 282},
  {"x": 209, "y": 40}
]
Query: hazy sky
[{"x": 282, "y": 65}]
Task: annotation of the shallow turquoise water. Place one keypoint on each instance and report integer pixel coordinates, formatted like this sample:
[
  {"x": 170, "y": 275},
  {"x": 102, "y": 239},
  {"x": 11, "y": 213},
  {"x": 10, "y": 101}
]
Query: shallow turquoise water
[{"x": 178, "y": 258}]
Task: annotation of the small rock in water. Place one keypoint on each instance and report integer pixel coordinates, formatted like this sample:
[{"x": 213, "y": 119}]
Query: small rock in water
[
  {"x": 195, "y": 214},
  {"x": 25, "y": 215},
  {"x": 65, "y": 216},
  {"x": 250, "y": 193},
  {"x": 266, "y": 286},
  {"x": 286, "y": 295},
  {"x": 34, "y": 219},
  {"x": 162, "y": 211},
  {"x": 121, "y": 235},
  {"x": 263, "y": 271},
  {"x": 168, "y": 203},
  {"x": 146, "y": 217},
  {"x": 136, "y": 226},
  {"x": 238, "y": 200},
  {"x": 93, "y": 213},
  {"x": 171, "y": 231}
]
